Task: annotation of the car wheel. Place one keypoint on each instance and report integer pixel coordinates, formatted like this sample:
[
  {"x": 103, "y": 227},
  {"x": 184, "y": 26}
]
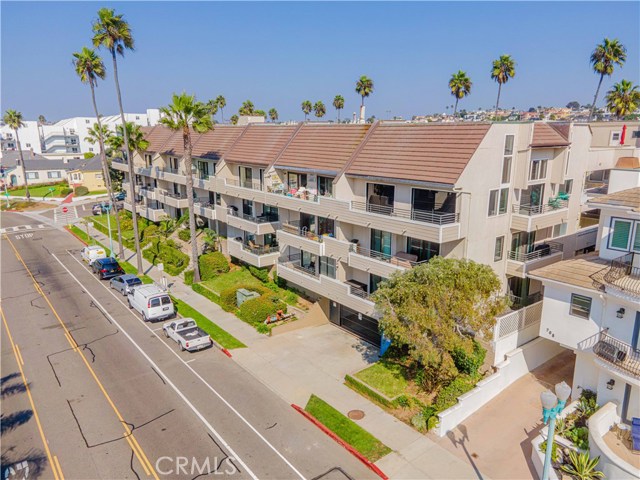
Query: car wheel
[
  {"x": 144, "y": 318},
  {"x": 181, "y": 346},
  {"x": 166, "y": 333},
  {"x": 129, "y": 302}
]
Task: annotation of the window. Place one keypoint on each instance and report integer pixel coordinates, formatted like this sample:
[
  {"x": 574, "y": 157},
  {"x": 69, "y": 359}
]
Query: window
[
  {"x": 87, "y": 121},
  {"x": 381, "y": 242},
  {"x": 91, "y": 149},
  {"x": 567, "y": 187},
  {"x": 247, "y": 207},
  {"x": 74, "y": 150},
  {"x": 538, "y": 170},
  {"x": 499, "y": 248},
  {"x": 54, "y": 175},
  {"x": 325, "y": 186},
  {"x": 635, "y": 246},
  {"x": 498, "y": 201},
  {"x": 374, "y": 282},
  {"x": 380, "y": 198},
  {"x": 28, "y": 145},
  {"x": 98, "y": 176},
  {"x": 559, "y": 230},
  {"x": 246, "y": 177},
  {"x": 32, "y": 175},
  {"x": 328, "y": 267},
  {"x": 137, "y": 117},
  {"x": 147, "y": 159},
  {"x": 619, "y": 238},
  {"x": 296, "y": 180},
  {"x": 580, "y": 306},
  {"x": 615, "y": 139},
  {"x": 218, "y": 199},
  {"x": 270, "y": 212},
  {"x": 635, "y": 134},
  {"x": 423, "y": 249},
  {"x": 506, "y": 161}
]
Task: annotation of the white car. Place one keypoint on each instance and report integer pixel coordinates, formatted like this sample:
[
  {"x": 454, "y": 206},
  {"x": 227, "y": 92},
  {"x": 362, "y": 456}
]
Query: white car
[
  {"x": 91, "y": 253},
  {"x": 151, "y": 302},
  {"x": 186, "y": 333}
]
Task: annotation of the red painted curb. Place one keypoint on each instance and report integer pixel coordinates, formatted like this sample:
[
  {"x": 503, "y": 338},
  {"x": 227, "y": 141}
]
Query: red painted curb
[
  {"x": 372, "y": 466},
  {"x": 68, "y": 198},
  {"x": 226, "y": 352},
  {"x": 72, "y": 233}
]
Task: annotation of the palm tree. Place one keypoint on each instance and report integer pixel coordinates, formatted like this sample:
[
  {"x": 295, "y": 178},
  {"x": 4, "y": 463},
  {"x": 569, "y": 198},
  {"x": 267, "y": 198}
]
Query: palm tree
[
  {"x": 306, "y": 108},
  {"x": 221, "y": 102},
  {"x": 364, "y": 88},
  {"x": 338, "y": 104},
  {"x": 247, "y": 108},
  {"x": 603, "y": 60},
  {"x": 623, "y": 99},
  {"x": 41, "y": 119},
  {"x": 113, "y": 33},
  {"x": 183, "y": 114},
  {"x": 460, "y": 86},
  {"x": 234, "y": 119},
  {"x": 319, "y": 109},
  {"x": 273, "y": 114},
  {"x": 213, "y": 108},
  {"x": 502, "y": 70},
  {"x": 13, "y": 119},
  {"x": 89, "y": 67}
]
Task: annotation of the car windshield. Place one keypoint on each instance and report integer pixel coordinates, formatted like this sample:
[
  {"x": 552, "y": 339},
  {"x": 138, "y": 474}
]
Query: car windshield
[{"x": 134, "y": 281}]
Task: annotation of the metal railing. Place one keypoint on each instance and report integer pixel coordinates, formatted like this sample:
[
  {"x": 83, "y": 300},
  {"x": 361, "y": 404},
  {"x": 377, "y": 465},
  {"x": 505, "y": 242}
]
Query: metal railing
[
  {"x": 521, "y": 302},
  {"x": 621, "y": 274},
  {"x": 385, "y": 257},
  {"x": 249, "y": 184},
  {"x": 175, "y": 171},
  {"x": 530, "y": 210},
  {"x": 204, "y": 203},
  {"x": 618, "y": 353},
  {"x": 358, "y": 292},
  {"x": 540, "y": 250},
  {"x": 252, "y": 218},
  {"x": 424, "y": 216},
  {"x": 293, "y": 227},
  {"x": 293, "y": 262},
  {"x": 261, "y": 249}
]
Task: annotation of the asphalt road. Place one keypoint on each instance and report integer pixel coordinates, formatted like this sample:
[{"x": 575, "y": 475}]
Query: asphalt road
[{"x": 107, "y": 396}]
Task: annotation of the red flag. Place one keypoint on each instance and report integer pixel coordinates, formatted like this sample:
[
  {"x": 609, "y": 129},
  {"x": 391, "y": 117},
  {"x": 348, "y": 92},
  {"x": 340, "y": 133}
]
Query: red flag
[{"x": 624, "y": 134}]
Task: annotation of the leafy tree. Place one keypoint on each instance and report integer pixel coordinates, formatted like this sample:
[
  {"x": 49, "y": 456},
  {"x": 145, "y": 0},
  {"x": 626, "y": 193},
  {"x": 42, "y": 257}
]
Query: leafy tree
[
  {"x": 113, "y": 33},
  {"x": 87, "y": 156},
  {"x": 604, "y": 58},
  {"x": 221, "y": 102},
  {"x": 371, "y": 119},
  {"x": 364, "y": 87},
  {"x": 623, "y": 99},
  {"x": 273, "y": 115},
  {"x": 41, "y": 119},
  {"x": 573, "y": 105},
  {"x": 260, "y": 113},
  {"x": 460, "y": 86},
  {"x": 234, "y": 119},
  {"x": 502, "y": 70},
  {"x": 211, "y": 240},
  {"x": 184, "y": 114},
  {"x": 338, "y": 104},
  {"x": 319, "y": 109},
  {"x": 247, "y": 108},
  {"x": 13, "y": 119},
  {"x": 306, "y": 108},
  {"x": 438, "y": 307}
]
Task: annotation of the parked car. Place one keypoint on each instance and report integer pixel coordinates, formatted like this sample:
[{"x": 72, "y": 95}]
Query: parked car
[
  {"x": 106, "y": 268},
  {"x": 97, "y": 209},
  {"x": 151, "y": 302},
  {"x": 92, "y": 253},
  {"x": 103, "y": 207},
  {"x": 120, "y": 196},
  {"x": 125, "y": 283},
  {"x": 186, "y": 333}
]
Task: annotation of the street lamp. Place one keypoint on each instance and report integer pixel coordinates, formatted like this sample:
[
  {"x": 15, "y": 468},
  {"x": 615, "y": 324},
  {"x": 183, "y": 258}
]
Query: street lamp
[
  {"x": 552, "y": 405},
  {"x": 109, "y": 207}
]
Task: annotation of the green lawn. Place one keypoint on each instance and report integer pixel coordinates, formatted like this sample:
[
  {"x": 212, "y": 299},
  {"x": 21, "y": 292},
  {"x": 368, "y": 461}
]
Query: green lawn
[
  {"x": 388, "y": 378},
  {"x": 40, "y": 191},
  {"x": 227, "y": 280},
  {"x": 97, "y": 192},
  {"x": 347, "y": 429},
  {"x": 218, "y": 334},
  {"x": 102, "y": 220}
]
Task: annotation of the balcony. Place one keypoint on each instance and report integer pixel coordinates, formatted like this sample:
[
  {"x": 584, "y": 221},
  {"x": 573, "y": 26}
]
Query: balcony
[
  {"x": 619, "y": 354},
  {"x": 300, "y": 238},
  {"x": 379, "y": 263},
  {"x": 176, "y": 200},
  {"x": 204, "y": 208},
  {"x": 293, "y": 262},
  {"x": 246, "y": 184},
  {"x": 256, "y": 255},
  {"x": 621, "y": 277},
  {"x": 167, "y": 173},
  {"x": 528, "y": 217},
  {"x": 150, "y": 212},
  {"x": 258, "y": 225},
  {"x": 519, "y": 263},
  {"x": 433, "y": 216}
]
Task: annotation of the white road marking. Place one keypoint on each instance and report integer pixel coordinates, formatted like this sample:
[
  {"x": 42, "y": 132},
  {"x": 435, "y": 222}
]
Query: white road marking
[
  {"x": 28, "y": 227},
  {"x": 3, "y": 230},
  {"x": 192, "y": 360},
  {"x": 41, "y": 225},
  {"x": 156, "y": 329},
  {"x": 169, "y": 382},
  {"x": 15, "y": 229}
]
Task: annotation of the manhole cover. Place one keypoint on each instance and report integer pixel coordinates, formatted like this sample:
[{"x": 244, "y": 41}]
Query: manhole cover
[{"x": 356, "y": 414}]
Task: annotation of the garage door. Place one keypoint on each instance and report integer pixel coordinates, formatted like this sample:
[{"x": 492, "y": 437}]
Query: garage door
[{"x": 361, "y": 325}]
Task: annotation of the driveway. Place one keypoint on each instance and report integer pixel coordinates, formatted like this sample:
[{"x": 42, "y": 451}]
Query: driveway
[{"x": 496, "y": 439}]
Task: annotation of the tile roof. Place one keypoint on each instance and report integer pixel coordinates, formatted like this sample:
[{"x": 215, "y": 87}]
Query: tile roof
[
  {"x": 418, "y": 152},
  {"x": 546, "y": 136},
  {"x": 156, "y": 136},
  {"x": 260, "y": 144},
  {"x": 93, "y": 164},
  {"x": 215, "y": 143},
  {"x": 576, "y": 271},
  {"x": 175, "y": 144},
  {"x": 8, "y": 156},
  {"x": 322, "y": 147},
  {"x": 624, "y": 198}
]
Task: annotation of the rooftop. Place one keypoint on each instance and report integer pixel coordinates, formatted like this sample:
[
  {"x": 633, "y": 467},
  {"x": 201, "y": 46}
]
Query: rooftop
[
  {"x": 545, "y": 135},
  {"x": 629, "y": 198},
  {"x": 260, "y": 144},
  {"x": 156, "y": 136},
  {"x": 575, "y": 271},
  {"x": 215, "y": 143}
]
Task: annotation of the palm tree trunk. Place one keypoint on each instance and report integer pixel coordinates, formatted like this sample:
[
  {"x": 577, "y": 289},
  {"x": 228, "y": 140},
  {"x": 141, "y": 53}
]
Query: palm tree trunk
[
  {"x": 595, "y": 98},
  {"x": 455, "y": 108},
  {"x": 132, "y": 177},
  {"x": 24, "y": 168},
  {"x": 222, "y": 114},
  {"x": 105, "y": 168},
  {"x": 338, "y": 115},
  {"x": 497, "y": 102},
  {"x": 186, "y": 136}
]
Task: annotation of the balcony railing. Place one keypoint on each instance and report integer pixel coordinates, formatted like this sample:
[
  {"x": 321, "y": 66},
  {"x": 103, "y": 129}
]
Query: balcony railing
[
  {"x": 531, "y": 210},
  {"x": 520, "y": 302},
  {"x": 392, "y": 259},
  {"x": 293, "y": 262},
  {"x": 293, "y": 227},
  {"x": 540, "y": 250},
  {"x": 254, "y": 219},
  {"x": 424, "y": 216},
  {"x": 260, "y": 249},
  {"x": 249, "y": 184},
  {"x": 618, "y": 353},
  {"x": 621, "y": 274},
  {"x": 358, "y": 292},
  {"x": 299, "y": 193}
]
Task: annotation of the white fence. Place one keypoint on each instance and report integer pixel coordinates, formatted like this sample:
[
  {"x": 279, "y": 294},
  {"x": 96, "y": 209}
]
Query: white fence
[{"x": 515, "y": 329}]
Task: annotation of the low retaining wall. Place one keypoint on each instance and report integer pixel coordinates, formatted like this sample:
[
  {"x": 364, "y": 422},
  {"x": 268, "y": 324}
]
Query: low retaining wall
[{"x": 518, "y": 363}]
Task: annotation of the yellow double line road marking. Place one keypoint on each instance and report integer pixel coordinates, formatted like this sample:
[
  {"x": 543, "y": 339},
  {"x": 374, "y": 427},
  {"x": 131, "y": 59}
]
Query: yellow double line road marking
[
  {"x": 128, "y": 433},
  {"x": 53, "y": 460}
]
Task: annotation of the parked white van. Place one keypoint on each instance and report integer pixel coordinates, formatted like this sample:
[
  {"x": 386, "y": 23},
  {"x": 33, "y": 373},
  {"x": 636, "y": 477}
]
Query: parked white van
[
  {"x": 92, "y": 252},
  {"x": 151, "y": 302}
]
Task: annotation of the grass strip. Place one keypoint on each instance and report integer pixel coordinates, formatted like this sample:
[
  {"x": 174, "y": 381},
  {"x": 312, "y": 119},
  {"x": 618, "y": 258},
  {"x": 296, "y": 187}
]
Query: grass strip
[
  {"x": 224, "y": 338},
  {"x": 386, "y": 377},
  {"x": 365, "y": 443}
]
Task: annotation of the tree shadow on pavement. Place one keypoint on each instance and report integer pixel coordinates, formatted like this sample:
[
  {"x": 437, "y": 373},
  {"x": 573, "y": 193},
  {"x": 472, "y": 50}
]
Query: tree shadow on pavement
[
  {"x": 14, "y": 466},
  {"x": 14, "y": 420}
]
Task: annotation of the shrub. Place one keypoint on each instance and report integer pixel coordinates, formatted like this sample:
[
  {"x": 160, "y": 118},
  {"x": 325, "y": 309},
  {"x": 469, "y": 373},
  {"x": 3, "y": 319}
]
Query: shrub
[
  {"x": 212, "y": 264},
  {"x": 554, "y": 450},
  {"x": 403, "y": 401},
  {"x": 448, "y": 396},
  {"x": 419, "y": 422},
  {"x": 256, "y": 310},
  {"x": 469, "y": 363},
  {"x": 228, "y": 295},
  {"x": 579, "y": 436},
  {"x": 184, "y": 235},
  {"x": 65, "y": 191},
  {"x": 587, "y": 404},
  {"x": 162, "y": 252},
  {"x": 280, "y": 282},
  {"x": 261, "y": 274},
  {"x": 80, "y": 191},
  {"x": 188, "y": 277},
  {"x": 149, "y": 232}
]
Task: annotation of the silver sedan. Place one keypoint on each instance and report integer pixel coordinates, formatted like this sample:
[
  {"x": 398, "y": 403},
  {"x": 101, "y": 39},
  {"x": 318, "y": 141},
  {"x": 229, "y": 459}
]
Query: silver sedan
[{"x": 125, "y": 283}]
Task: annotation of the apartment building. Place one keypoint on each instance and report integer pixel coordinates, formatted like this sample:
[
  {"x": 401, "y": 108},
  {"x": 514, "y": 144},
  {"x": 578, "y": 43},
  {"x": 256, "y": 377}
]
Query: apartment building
[{"x": 336, "y": 209}]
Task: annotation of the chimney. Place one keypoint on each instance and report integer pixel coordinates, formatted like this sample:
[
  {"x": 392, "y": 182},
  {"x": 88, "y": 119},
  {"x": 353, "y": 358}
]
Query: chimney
[
  {"x": 354, "y": 118},
  {"x": 362, "y": 114}
]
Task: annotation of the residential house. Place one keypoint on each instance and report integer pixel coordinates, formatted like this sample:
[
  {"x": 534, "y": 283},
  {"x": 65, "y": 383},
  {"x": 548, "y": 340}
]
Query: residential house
[
  {"x": 88, "y": 173},
  {"x": 39, "y": 170}
]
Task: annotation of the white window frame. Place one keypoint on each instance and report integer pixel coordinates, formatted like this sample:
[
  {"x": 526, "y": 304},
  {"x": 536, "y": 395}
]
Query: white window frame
[
  {"x": 496, "y": 206},
  {"x": 579, "y": 311},
  {"x": 498, "y": 258},
  {"x": 54, "y": 175},
  {"x": 508, "y": 157},
  {"x": 33, "y": 176},
  {"x": 614, "y": 142},
  {"x": 541, "y": 161},
  {"x": 612, "y": 228}
]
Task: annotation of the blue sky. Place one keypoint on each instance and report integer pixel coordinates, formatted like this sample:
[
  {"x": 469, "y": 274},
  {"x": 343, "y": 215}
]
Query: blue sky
[{"x": 279, "y": 54}]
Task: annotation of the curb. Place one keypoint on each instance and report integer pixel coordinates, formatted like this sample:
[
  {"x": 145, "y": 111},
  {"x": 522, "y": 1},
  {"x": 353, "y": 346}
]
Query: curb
[
  {"x": 72, "y": 233},
  {"x": 372, "y": 466}
]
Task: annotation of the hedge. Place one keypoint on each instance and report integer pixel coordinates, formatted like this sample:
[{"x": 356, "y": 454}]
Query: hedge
[
  {"x": 81, "y": 190},
  {"x": 256, "y": 310},
  {"x": 448, "y": 396},
  {"x": 469, "y": 363},
  {"x": 212, "y": 264},
  {"x": 368, "y": 392},
  {"x": 184, "y": 235},
  {"x": 261, "y": 274},
  {"x": 165, "y": 252},
  {"x": 188, "y": 277}
]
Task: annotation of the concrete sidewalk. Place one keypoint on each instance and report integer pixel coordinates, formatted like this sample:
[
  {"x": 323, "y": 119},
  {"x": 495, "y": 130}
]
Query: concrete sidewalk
[{"x": 315, "y": 360}]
